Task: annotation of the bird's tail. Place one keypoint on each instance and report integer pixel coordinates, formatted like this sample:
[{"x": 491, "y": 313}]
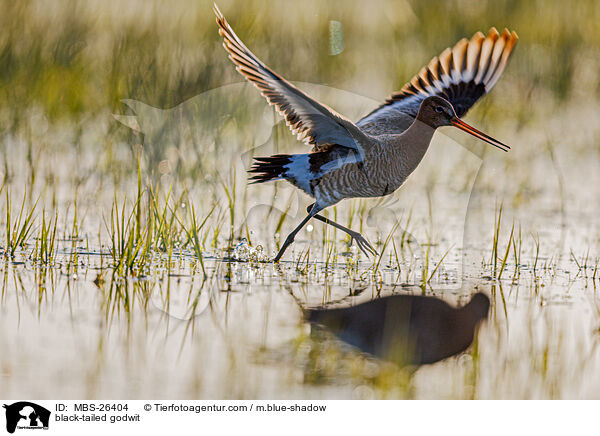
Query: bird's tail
[{"x": 270, "y": 168}]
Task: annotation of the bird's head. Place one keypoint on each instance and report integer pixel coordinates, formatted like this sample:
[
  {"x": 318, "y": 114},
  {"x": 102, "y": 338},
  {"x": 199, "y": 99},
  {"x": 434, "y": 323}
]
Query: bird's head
[
  {"x": 479, "y": 305},
  {"x": 438, "y": 112}
]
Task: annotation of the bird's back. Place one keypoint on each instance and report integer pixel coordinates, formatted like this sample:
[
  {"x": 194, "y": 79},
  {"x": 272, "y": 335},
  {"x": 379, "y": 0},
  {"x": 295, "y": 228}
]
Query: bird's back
[{"x": 390, "y": 121}]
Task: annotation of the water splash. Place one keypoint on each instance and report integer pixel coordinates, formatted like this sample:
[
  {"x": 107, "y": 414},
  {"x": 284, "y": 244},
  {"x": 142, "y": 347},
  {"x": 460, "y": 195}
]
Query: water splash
[{"x": 246, "y": 253}]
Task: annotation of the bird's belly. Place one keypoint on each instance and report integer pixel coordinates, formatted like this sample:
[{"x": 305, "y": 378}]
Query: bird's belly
[
  {"x": 380, "y": 189},
  {"x": 355, "y": 182}
]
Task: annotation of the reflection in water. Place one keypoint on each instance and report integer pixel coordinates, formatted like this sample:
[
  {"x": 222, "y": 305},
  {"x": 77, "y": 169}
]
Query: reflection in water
[{"x": 406, "y": 329}]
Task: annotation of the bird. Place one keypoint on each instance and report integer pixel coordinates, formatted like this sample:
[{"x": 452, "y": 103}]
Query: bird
[
  {"x": 374, "y": 156},
  {"x": 405, "y": 329}
]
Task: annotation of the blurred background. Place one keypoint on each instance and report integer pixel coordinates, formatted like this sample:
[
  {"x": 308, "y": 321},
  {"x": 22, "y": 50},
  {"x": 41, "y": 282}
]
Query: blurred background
[{"x": 75, "y": 60}]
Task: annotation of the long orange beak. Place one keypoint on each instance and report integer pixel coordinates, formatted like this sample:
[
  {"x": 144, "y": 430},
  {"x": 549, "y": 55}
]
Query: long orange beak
[{"x": 457, "y": 122}]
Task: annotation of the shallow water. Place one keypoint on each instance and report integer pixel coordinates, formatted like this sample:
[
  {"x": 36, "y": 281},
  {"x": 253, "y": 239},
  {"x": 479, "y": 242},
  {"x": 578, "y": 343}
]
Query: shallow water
[{"x": 247, "y": 338}]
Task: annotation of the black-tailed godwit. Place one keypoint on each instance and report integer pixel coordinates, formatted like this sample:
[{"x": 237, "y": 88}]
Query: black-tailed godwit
[{"x": 374, "y": 156}]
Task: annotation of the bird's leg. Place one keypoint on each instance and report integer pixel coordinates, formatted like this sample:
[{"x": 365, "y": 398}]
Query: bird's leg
[
  {"x": 311, "y": 213},
  {"x": 361, "y": 241}
]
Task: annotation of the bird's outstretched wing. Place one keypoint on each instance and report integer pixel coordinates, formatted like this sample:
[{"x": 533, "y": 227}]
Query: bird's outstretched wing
[
  {"x": 312, "y": 122},
  {"x": 461, "y": 75}
]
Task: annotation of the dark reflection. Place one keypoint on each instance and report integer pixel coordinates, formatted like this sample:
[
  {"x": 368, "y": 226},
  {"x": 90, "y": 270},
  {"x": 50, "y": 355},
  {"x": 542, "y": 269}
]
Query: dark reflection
[{"x": 406, "y": 329}]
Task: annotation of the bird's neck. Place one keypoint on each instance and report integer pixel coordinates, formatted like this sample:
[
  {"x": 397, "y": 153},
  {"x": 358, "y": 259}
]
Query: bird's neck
[
  {"x": 467, "y": 322},
  {"x": 414, "y": 142}
]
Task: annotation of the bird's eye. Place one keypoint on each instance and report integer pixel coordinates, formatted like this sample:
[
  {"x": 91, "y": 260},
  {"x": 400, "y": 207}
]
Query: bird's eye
[{"x": 439, "y": 109}]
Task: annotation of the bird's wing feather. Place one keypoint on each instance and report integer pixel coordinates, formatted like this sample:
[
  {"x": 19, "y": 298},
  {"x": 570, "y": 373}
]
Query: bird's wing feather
[
  {"x": 461, "y": 75},
  {"x": 312, "y": 122}
]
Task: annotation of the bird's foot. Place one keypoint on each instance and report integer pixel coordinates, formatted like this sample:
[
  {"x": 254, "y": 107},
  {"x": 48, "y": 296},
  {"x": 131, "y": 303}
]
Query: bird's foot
[
  {"x": 286, "y": 244},
  {"x": 363, "y": 244}
]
